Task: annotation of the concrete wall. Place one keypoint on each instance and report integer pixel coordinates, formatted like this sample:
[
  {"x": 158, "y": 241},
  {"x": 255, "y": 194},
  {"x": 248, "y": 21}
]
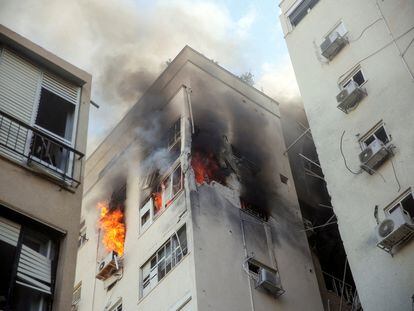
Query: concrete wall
[
  {"x": 29, "y": 192},
  {"x": 383, "y": 282}
]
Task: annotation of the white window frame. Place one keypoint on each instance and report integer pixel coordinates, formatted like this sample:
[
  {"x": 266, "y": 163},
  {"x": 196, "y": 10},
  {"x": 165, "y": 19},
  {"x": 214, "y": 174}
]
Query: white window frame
[
  {"x": 397, "y": 202},
  {"x": 350, "y": 77},
  {"x": 150, "y": 275},
  {"x": 371, "y": 133},
  {"x": 167, "y": 195},
  {"x": 117, "y": 306},
  {"x": 339, "y": 28}
]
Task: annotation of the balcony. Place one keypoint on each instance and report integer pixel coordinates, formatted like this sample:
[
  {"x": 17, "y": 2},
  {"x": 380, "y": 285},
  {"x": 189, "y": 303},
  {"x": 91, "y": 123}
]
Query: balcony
[{"x": 41, "y": 150}]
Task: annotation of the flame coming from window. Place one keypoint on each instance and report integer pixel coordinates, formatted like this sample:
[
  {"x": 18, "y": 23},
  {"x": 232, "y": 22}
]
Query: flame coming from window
[
  {"x": 157, "y": 198},
  {"x": 112, "y": 225},
  {"x": 206, "y": 168}
]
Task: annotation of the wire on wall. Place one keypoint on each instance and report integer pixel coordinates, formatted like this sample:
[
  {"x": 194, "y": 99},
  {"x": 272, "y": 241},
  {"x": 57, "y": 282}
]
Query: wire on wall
[{"x": 343, "y": 156}]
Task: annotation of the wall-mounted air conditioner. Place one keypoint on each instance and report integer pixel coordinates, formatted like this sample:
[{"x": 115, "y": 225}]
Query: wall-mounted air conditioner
[
  {"x": 108, "y": 266},
  {"x": 350, "y": 96},
  {"x": 374, "y": 155},
  {"x": 397, "y": 228},
  {"x": 269, "y": 280},
  {"x": 332, "y": 45}
]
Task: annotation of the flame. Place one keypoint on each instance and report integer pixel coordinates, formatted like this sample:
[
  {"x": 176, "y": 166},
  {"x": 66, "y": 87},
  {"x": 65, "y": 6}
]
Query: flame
[
  {"x": 157, "y": 198},
  {"x": 111, "y": 222},
  {"x": 206, "y": 168}
]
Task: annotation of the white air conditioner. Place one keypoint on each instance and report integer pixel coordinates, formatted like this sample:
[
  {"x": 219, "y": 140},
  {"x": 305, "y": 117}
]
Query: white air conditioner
[
  {"x": 397, "y": 228},
  {"x": 108, "y": 266},
  {"x": 332, "y": 45},
  {"x": 269, "y": 281},
  {"x": 350, "y": 96},
  {"x": 374, "y": 155}
]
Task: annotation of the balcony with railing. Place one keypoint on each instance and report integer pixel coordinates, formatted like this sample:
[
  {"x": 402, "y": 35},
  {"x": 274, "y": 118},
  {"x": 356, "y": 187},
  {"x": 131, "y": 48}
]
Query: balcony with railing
[{"x": 35, "y": 148}]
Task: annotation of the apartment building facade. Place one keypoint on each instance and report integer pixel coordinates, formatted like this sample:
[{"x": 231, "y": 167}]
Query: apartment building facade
[
  {"x": 44, "y": 106},
  {"x": 354, "y": 63},
  {"x": 198, "y": 191}
]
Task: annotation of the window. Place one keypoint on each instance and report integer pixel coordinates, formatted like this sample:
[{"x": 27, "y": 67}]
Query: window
[
  {"x": 77, "y": 294},
  {"x": 356, "y": 76},
  {"x": 377, "y": 133},
  {"x": 117, "y": 306},
  {"x": 174, "y": 134},
  {"x": 406, "y": 202},
  {"x": 338, "y": 29},
  {"x": 299, "y": 10},
  {"x": 164, "y": 259},
  {"x": 164, "y": 194},
  {"x": 82, "y": 237},
  {"x": 27, "y": 280}
]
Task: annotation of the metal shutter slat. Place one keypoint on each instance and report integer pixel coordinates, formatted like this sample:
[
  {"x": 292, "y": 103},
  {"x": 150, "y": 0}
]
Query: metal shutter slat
[
  {"x": 9, "y": 233},
  {"x": 61, "y": 88}
]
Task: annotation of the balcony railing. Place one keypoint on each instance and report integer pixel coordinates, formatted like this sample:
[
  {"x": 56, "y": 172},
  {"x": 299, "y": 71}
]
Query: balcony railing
[{"x": 25, "y": 143}]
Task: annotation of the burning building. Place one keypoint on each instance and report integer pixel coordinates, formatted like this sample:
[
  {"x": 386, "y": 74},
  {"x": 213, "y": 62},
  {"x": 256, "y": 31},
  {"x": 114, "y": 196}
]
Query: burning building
[{"x": 209, "y": 216}]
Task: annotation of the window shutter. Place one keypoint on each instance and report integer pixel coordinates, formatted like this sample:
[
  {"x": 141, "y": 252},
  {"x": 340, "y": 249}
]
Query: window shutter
[
  {"x": 9, "y": 232},
  {"x": 19, "y": 81},
  {"x": 34, "y": 270},
  {"x": 61, "y": 88}
]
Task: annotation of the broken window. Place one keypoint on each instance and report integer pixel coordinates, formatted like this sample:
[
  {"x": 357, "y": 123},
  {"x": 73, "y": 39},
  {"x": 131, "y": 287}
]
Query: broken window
[
  {"x": 164, "y": 194},
  {"x": 377, "y": 133},
  {"x": 164, "y": 259},
  {"x": 356, "y": 76}
]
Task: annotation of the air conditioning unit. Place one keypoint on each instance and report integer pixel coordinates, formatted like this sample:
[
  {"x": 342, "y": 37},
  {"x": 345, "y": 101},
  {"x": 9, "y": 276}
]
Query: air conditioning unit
[
  {"x": 269, "y": 281},
  {"x": 332, "y": 45},
  {"x": 396, "y": 229},
  {"x": 108, "y": 266},
  {"x": 350, "y": 96},
  {"x": 374, "y": 155}
]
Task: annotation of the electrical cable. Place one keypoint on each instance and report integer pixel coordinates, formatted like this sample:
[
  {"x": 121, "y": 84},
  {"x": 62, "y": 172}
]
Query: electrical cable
[
  {"x": 365, "y": 29},
  {"x": 395, "y": 175},
  {"x": 408, "y": 46},
  {"x": 343, "y": 156},
  {"x": 374, "y": 53}
]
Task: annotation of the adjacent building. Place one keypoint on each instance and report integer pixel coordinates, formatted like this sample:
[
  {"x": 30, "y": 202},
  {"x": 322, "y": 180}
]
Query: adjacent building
[
  {"x": 44, "y": 105},
  {"x": 190, "y": 204},
  {"x": 354, "y": 63}
]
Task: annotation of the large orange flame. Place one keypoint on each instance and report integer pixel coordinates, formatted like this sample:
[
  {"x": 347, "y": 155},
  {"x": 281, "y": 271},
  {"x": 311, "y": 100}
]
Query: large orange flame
[
  {"x": 157, "y": 198},
  {"x": 112, "y": 224},
  {"x": 206, "y": 168}
]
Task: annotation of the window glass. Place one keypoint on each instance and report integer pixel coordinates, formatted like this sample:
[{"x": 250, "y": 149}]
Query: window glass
[{"x": 408, "y": 204}]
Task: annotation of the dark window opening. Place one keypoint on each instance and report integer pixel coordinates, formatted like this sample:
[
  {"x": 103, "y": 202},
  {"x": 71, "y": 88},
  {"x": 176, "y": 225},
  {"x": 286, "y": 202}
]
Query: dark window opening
[
  {"x": 301, "y": 11},
  {"x": 408, "y": 204},
  {"x": 253, "y": 268},
  {"x": 379, "y": 134},
  {"x": 358, "y": 78},
  {"x": 55, "y": 114}
]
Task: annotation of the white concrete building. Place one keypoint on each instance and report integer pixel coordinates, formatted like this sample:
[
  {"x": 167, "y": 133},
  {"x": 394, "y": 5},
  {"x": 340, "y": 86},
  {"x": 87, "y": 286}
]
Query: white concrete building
[
  {"x": 354, "y": 63},
  {"x": 210, "y": 209}
]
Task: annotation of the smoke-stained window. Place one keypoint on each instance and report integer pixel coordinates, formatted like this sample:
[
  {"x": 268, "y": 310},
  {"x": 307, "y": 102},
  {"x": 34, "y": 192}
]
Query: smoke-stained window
[
  {"x": 163, "y": 260},
  {"x": 162, "y": 197}
]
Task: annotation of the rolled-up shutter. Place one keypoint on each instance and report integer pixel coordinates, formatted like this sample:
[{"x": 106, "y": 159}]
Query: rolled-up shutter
[
  {"x": 19, "y": 84},
  {"x": 9, "y": 232},
  {"x": 34, "y": 270},
  {"x": 61, "y": 88}
]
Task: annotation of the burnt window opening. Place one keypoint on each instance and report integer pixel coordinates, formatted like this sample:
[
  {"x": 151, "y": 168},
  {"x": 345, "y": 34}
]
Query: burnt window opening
[
  {"x": 379, "y": 134},
  {"x": 55, "y": 115},
  {"x": 118, "y": 197},
  {"x": 283, "y": 179},
  {"x": 242, "y": 161},
  {"x": 161, "y": 197},
  {"x": 207, "y": 168},
  {"x": 163, "y": 260},
  {"x": 253, "y": 210}
]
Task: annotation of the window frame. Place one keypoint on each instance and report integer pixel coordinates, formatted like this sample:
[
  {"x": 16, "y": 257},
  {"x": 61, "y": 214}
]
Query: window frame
[
  {"x": 292, "y": 9},
  {"x": 175, "y": 257},
  {"x": 397, "y": 202},
  {"x": 371, "y": 133},
  {"x": 350, "y": 77}
]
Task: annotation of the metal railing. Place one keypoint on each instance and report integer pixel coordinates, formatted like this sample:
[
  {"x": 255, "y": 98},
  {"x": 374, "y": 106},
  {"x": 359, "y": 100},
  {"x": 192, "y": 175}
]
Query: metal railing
[
  {"x": 25, "y": 143},
  {"x": 340, "y": 288}
]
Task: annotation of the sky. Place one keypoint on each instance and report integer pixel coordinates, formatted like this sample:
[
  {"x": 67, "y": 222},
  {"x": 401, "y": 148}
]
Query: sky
[{"x": 125, "y": 44}]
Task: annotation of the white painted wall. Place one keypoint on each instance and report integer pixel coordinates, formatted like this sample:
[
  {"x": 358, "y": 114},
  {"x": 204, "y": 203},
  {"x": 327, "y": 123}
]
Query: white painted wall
[{"x": 383, "y": 282}]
